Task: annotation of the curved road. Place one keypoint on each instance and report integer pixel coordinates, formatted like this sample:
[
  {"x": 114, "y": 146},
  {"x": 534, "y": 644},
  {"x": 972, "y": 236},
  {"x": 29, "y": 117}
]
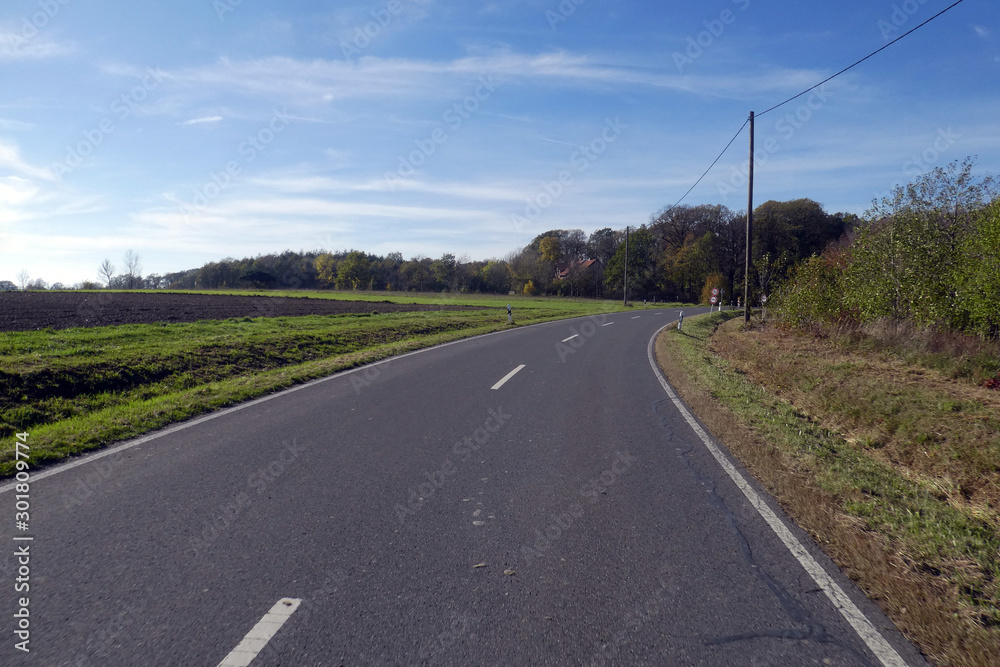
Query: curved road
[{"x": 425, "y": 511}]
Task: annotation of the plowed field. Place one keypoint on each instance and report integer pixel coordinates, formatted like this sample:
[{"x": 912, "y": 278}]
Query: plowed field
[{"x": 27, "y": 311}]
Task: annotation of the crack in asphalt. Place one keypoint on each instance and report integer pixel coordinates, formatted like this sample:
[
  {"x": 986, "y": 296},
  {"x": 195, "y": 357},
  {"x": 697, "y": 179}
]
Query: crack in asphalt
[{"x": 808, "y": 629}]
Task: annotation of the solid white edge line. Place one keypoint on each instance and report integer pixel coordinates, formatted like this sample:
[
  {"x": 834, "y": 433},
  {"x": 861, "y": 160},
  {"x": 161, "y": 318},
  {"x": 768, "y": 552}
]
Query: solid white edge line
[
  {"x": 84, "y": 459},
  {"x": 507, "y": 377},
  {"x": 258, "y": 637},
  {"x": 866, "y": 630},
  {"x": 570, "y": 338}
]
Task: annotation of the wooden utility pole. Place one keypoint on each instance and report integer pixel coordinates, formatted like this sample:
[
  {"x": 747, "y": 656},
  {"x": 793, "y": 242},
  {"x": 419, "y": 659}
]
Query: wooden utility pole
[
  {"x": 746, "y": 273},
  {"x": 625, "y": 283}
]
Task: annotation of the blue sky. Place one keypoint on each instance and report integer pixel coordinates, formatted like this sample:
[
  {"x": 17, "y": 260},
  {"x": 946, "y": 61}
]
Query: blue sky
[{"x": 191, "y": 131}]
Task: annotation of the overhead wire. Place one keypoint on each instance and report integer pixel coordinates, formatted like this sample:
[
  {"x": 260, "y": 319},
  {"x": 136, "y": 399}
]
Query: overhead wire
[
  {"x": 738, "y": 132},
  {"x": 830, "y": 78},
  {"x": 807, "y": 90}
]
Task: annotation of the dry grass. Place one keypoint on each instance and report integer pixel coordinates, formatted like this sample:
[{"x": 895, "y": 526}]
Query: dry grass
[
  {"x": 831, "y": 435},
  {"x": 931, "y": 428}
]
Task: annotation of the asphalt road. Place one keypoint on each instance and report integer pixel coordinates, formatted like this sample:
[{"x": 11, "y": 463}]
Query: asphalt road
[{"x": 411, "y": 513}]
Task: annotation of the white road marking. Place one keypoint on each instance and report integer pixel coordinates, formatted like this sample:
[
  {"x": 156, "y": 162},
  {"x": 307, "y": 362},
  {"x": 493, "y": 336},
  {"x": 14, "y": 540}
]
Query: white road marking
[
  {"x": 143, "y": 439},
  {"x": 637, "y": 317},
  {"x": 864, "y": 627},
  {"x": 507, "y": 377},
  {"x": 608, "y": 324},
  {"x": 261, "y": 634},
  {"x": 570, "y": 338}
]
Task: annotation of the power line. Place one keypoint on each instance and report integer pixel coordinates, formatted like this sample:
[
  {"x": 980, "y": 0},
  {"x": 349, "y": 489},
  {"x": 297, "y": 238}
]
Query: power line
[
  {"x": 958, "y": 2},
  {"x": 914, "y": 29},
  {"x": 711, "y": 165}
]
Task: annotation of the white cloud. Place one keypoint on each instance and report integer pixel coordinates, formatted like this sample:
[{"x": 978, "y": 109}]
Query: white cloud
[
  {"x": 318, "y": 81},
  {"x": 10, "y": 158},
  {"x": 203, "y": 120},
  {"x": 15, "y": 46}
]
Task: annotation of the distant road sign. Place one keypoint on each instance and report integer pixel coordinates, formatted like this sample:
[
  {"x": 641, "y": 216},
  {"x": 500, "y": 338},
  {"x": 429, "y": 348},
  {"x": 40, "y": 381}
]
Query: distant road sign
[
  {"x": 715, "y": 291},
  {"x": 714, "y": 299}
]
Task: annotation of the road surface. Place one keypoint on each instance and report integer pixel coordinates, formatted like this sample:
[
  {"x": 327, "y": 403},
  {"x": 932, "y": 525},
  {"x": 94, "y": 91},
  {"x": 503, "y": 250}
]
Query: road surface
[{"x": 531, "y": 497}]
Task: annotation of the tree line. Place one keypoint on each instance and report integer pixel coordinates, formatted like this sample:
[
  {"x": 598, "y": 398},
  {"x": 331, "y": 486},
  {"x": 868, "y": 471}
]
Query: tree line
[
  {"x": 680, "y": 254},
  {"x": 928, "y": 253}
]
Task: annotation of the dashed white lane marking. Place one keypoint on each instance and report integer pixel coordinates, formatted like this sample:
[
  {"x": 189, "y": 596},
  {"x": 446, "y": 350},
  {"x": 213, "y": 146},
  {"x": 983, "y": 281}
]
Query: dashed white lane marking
[
  {"x": 637, "y": 317},
  {"x": 864, "y": 627},
  {"x": 608, "y": 324},
  {"x": 507, "y": 377},
  {"x": 261, "y": 634},
  {"x": 570, "y": 338}
]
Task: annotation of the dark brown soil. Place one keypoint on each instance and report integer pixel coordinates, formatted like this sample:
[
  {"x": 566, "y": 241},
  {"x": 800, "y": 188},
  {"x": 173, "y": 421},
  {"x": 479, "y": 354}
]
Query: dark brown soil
[{"x": 26, "y": 311}]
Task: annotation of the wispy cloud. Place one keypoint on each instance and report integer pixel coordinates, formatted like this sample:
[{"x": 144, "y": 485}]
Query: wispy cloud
[
  {"x": 10, "y": 158},
  {"x": 203, "y": 120},
  {"x": 14, "y": 46},
  {"x": 321, "y": 81}
]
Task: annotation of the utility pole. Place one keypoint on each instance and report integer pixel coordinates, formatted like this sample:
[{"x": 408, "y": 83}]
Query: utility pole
[
  {"x": 625, "y": 283},
  {"x": 746, "y": 273}
]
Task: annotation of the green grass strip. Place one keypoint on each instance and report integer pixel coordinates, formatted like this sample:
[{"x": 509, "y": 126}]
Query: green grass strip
[
  {"x": 930, "y": 530},
  {"x": 76, "y": 390}
]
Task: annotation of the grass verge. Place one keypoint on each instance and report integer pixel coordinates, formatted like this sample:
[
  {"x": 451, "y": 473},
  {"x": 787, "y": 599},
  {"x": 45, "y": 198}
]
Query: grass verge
[
  {"x": 930, "y": 561},
  {"x": 81, "y": 389}
]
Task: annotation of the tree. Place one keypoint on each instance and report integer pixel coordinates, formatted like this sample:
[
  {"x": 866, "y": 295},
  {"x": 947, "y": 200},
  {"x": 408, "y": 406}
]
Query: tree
[
  {"x": 574, "y": 246},
  {"x": 326, "y": 269},
  {"x": 496, "y": 277},
  {"x": 106, "y": 271},
  {"x": 551, "y": 249},
  {"x": 22, "y": 278},
  {"x": 354, "y": 271},
  {"x": 603, "y": 243},
  {"x": 133, "y": 268},
  {"x": 641, "y": 266},
  {"x": 444, "y": 271},
  {"x": 7, "y": 286}
]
